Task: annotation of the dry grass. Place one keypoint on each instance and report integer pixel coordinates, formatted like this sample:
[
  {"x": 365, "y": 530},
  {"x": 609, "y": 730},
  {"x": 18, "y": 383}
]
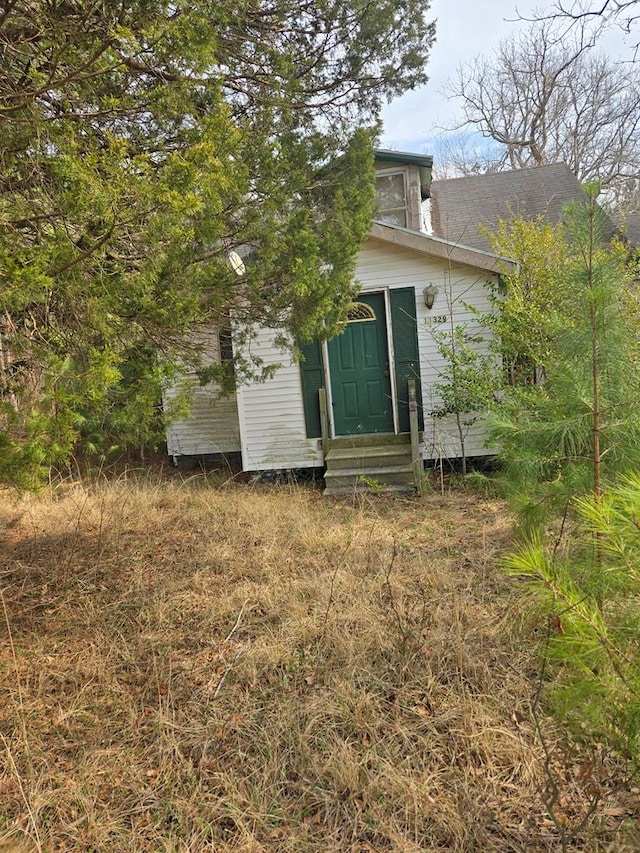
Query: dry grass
[{"x": 187, "y": 667}]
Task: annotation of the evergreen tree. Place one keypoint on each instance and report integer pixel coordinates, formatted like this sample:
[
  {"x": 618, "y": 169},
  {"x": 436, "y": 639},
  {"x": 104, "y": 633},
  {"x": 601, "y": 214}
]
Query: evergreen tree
[
  {"x": 571, "y": 451},
  {"x": 589, "y": 601},
  {"x": 579, "y": 428},
  {"x": 141, "y": 143}
]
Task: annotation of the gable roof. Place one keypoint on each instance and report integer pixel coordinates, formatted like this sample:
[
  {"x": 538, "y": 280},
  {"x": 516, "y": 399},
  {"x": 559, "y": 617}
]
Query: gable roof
[
  {"x": 436, "y": 247},
  {"x": 630, "y": 227},
  {"x": 460, "y": 205}
]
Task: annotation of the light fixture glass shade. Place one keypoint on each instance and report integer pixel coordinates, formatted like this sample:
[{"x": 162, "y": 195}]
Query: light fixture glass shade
[{"x": 429, "y": 293}]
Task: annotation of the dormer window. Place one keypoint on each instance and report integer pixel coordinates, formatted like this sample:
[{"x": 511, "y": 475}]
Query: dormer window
[{"x": 391, "y": 198}]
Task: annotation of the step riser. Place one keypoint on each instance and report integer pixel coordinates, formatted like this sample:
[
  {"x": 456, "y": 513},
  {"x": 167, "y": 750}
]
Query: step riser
[
  {"x": 350, "y": 481},
  {"x": 368, "y": 464},
  {"x": 365, "y": 462},
  {"x": 382, "y": 440}
]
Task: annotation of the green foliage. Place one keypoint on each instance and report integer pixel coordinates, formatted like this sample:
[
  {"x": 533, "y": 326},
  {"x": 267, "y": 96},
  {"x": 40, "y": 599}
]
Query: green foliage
[
  {"x": 531, "y": 296},
  {"x": 468, "y": 380},
  {"x": 139, "y": 144},
  {"x": 585, "y": 346},
  {"x": 592, "y": 610},
  {"x": 569, "y": 445}
]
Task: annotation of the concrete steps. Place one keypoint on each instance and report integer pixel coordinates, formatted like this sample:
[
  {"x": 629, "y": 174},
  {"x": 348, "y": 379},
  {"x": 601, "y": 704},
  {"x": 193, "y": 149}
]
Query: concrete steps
[{"x": 372, "y": 463}]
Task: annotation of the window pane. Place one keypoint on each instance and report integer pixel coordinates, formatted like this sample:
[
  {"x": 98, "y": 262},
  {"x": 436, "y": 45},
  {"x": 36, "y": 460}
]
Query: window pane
[{"x": 391, "y": 201}]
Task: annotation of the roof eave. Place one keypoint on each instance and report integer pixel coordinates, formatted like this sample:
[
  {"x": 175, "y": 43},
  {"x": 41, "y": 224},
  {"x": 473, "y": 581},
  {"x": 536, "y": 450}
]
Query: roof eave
[
  {"x": 408, "y": 157},
  {"x": 443, "y": 249}
]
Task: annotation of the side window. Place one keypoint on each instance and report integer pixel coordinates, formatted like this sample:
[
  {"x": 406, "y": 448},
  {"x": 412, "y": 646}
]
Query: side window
[
  {"x": 391, "y": 199},
  {"x": 225, "y": 343}
]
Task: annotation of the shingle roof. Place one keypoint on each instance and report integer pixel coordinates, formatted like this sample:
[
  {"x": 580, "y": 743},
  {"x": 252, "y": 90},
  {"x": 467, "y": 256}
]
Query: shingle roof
[
  {"x": 460, "y": 205},
  {"x": 630, "y": 225}
]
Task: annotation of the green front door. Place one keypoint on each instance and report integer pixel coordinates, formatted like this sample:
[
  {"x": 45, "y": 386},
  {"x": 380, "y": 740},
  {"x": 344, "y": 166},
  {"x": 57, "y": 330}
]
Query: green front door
[{"x": 359, "y": 368}]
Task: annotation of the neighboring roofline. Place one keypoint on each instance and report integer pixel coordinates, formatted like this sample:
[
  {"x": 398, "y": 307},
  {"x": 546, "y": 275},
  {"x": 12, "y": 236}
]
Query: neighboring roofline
[
  {"x": 486, "y": 176},
  {"x": 438, "y": 248},
  {"x": 387, "y": 154}
]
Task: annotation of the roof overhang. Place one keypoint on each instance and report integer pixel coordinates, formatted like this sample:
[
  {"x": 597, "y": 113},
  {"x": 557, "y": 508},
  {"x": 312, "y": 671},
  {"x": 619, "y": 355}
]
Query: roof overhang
[
  {"x": 424, "y": 162},
  {"x": 444, "y": 250},
  {"x": 406, "y": 157}
]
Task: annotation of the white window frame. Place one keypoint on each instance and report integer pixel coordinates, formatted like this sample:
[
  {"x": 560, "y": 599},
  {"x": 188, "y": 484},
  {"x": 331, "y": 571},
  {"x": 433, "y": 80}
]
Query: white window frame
[{"x": 382, "y": 173}]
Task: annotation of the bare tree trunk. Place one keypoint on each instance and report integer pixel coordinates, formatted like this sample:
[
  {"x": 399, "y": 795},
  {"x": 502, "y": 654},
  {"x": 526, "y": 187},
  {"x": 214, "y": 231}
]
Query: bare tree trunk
[
  {"x": 4, "y": 371},
  {"x": 595, "y": 373}
]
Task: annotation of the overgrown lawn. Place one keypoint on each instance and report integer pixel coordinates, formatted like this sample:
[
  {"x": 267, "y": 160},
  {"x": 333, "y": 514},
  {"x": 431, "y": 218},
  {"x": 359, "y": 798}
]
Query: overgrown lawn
[{"x": 188, "y": 666}]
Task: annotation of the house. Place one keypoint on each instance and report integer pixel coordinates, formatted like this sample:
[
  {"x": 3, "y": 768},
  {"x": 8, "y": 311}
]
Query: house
[
  {"x": 347, "y": 405},
  {"x": 464, "y": 209},
  {"x": 629, "y": 226}
]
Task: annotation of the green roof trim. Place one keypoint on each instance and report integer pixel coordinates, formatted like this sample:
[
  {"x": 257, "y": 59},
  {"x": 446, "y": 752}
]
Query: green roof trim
[{"x": 407, "y": 157}]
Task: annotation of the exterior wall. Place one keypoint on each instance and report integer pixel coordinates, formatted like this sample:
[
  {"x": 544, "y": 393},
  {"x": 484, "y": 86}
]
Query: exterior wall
[
  {"x": 213, "y": 426},
  {"x": 459, "y": 289},
  {"x": 266, "y": 419},
  {"x": 272, "y": 415}
]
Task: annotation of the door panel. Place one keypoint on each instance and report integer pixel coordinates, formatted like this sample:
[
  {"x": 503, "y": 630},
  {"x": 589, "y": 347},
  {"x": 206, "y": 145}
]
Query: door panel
[
  {"x": 359, "y": 368},
  {"x": 347, "y": 359}
]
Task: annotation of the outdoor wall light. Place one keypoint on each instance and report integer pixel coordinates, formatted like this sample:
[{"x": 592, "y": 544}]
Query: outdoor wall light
[{"x": 429, "y": 294}]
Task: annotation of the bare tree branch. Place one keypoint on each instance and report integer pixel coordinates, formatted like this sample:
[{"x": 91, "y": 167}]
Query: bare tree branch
[{"x": 545, "y": 99}]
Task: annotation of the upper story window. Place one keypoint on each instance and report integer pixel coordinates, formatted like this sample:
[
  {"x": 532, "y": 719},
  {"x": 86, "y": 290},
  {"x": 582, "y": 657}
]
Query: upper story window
[{"x": 391, "y": 198}]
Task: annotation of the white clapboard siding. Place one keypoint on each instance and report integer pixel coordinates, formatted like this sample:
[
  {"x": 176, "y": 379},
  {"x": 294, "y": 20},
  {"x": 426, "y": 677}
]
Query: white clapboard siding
[
  {"x": 460, "y": 289},
  {"x": 212, "y": 426},
  {"x": 269, "y": 423},
  {"x": 272, "y": 414}
]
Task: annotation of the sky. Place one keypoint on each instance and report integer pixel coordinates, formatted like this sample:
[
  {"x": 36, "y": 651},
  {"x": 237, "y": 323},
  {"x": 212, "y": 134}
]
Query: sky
[{"x": 464, "y": 29}]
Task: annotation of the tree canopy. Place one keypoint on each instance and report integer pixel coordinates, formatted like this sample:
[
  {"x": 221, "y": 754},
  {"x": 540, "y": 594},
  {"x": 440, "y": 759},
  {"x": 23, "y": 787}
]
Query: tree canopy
[
  {"x": 140, "y": 143},
  {"x": 550, "y": 96}
]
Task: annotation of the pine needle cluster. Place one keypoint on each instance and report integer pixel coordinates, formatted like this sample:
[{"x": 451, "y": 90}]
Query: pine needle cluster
[
  {"x": 580, "y": 422},
  {"x": 570, "y": 447},
  {"x": 591, "y": 609}
]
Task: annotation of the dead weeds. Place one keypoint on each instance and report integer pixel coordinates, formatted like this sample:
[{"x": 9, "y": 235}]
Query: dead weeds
[{"x": 190, "y": 668}]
